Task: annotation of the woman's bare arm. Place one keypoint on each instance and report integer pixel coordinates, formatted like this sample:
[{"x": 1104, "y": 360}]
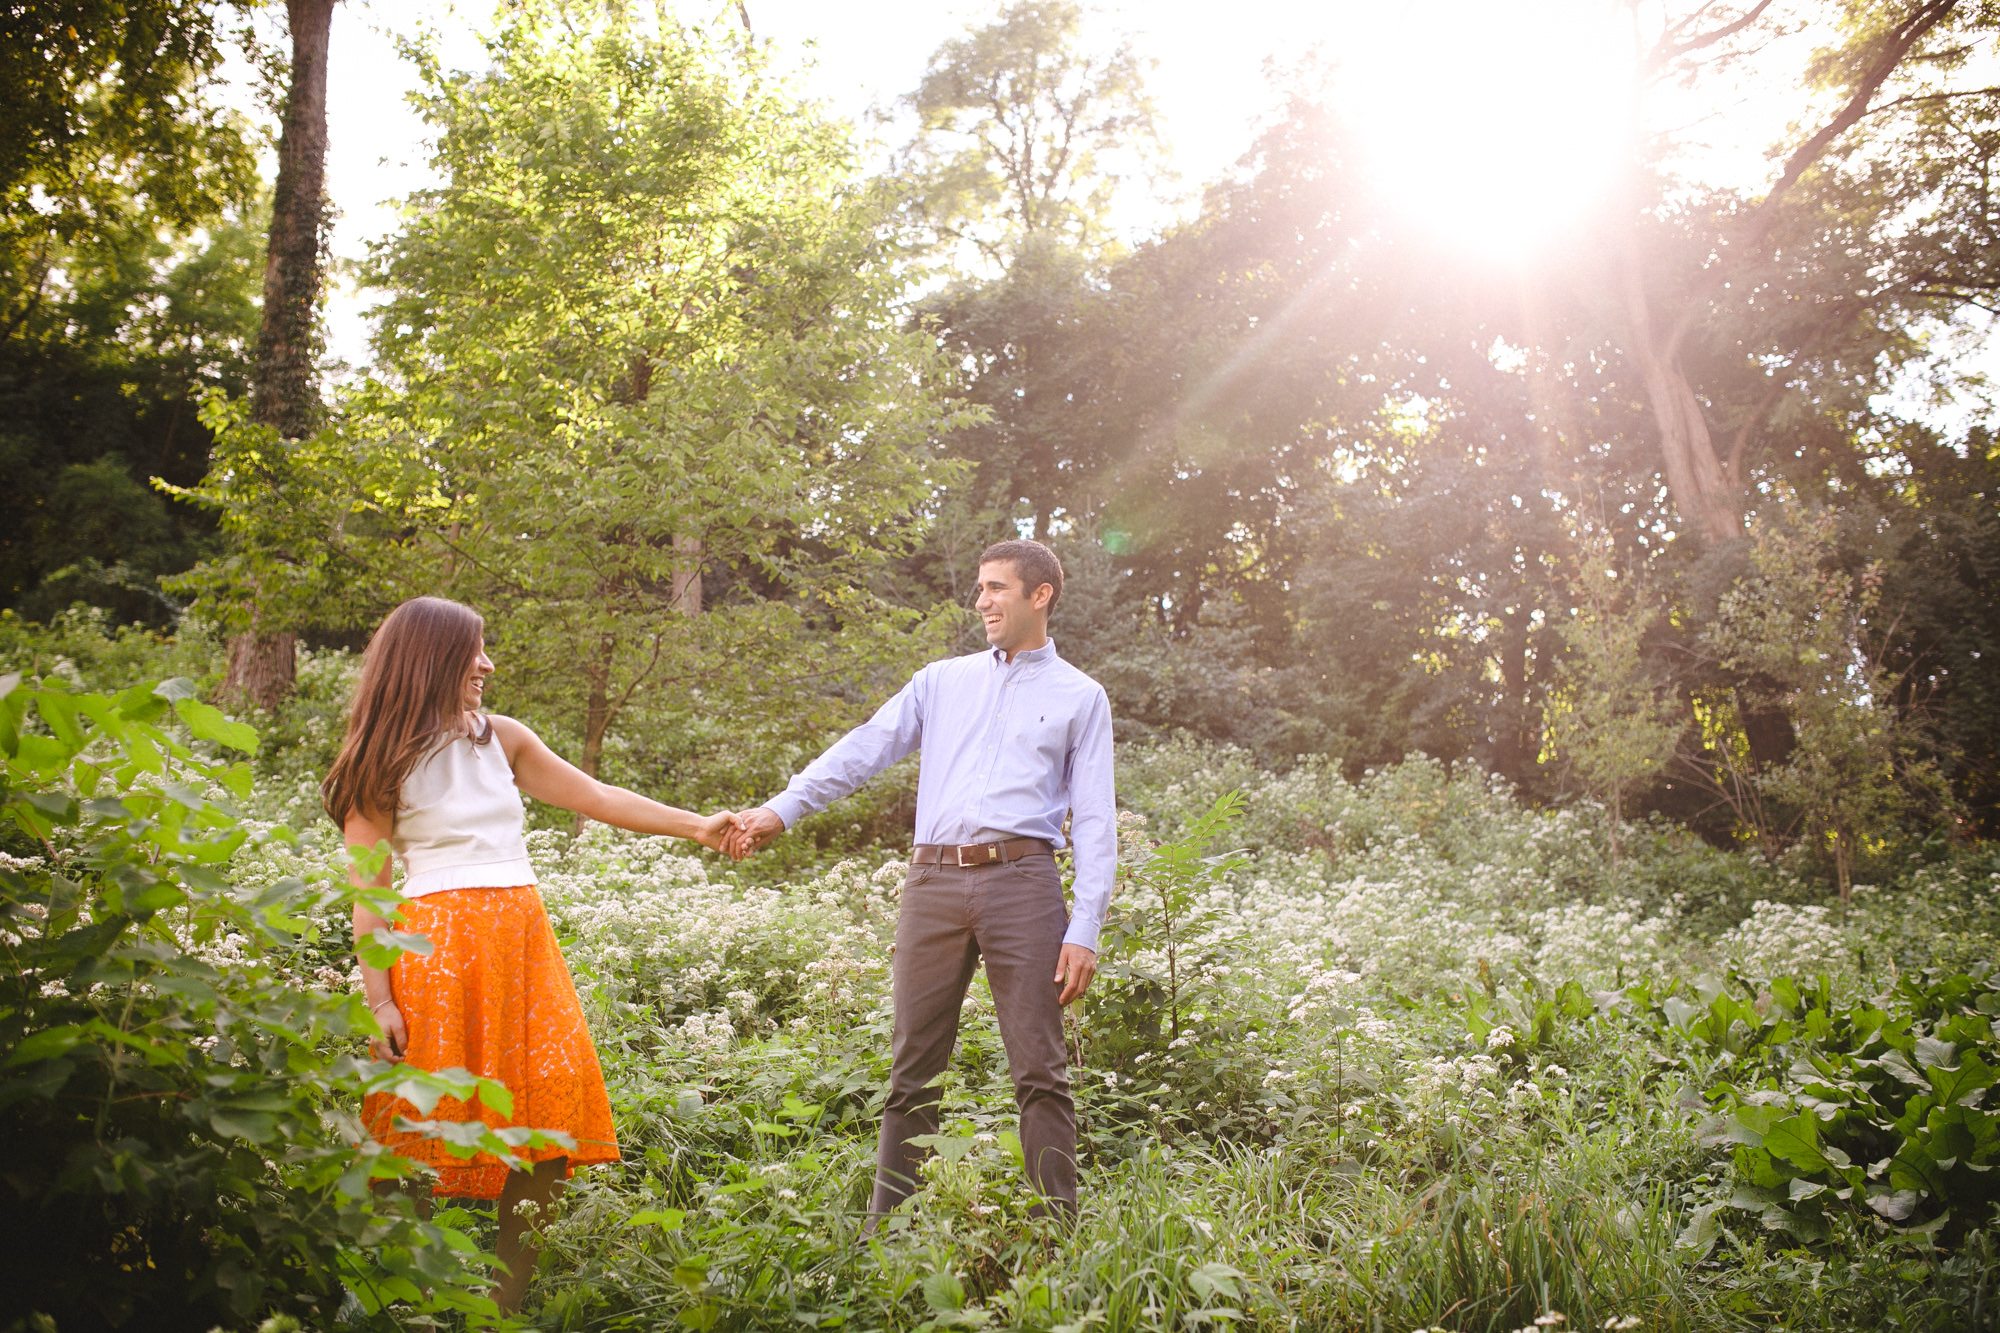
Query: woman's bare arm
[
  {"x": 366, "y": 832},
  {"x": 547, "y": 776}
]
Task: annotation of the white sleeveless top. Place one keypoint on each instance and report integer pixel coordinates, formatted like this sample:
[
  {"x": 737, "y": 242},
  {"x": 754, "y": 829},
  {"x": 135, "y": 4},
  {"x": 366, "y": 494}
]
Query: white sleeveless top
[{"x": 460, "y": 822}]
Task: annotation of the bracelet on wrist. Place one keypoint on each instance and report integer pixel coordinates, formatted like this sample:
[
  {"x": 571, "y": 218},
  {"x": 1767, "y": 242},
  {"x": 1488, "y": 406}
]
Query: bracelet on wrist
[{"x": 376, "y": 1007}]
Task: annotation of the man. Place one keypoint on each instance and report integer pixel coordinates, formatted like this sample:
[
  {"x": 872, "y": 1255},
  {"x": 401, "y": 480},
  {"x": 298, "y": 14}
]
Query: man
[{"x": 1012, "y": 739}]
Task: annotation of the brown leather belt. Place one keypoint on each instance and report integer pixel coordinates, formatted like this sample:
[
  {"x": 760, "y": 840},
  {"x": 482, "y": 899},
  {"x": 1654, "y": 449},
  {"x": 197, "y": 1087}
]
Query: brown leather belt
[{"x": 977, "y": 853}]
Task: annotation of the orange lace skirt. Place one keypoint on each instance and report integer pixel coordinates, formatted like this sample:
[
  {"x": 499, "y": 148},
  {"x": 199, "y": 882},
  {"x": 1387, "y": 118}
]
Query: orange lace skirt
[{"x": 495, "y": 997}]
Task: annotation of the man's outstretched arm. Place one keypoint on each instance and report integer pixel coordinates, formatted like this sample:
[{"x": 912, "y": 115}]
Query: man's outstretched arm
[{"x": 896, "y": 730}]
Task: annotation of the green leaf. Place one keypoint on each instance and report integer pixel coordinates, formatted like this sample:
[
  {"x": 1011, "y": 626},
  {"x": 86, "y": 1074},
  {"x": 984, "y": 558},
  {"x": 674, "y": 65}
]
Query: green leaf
[
  {"x": 943, "y": 1292},
  {"x": 56, "y": 806},
  {"x": 1215, "y": 1279},
  {"x": 175, "y": 689},
  {"x": 1796, "y": 1140},
  {"x": 253, "y": 1126},
  {"x": 1896, "y": 1205},
  {"x": 384, "y": 946},
  {"x": 495, "y": 1096},
  {"x": 1961, "y": 1084},
  {"x": 667, "y": 1219},
  {"x": 45, "y": 1045},
  {"x": 44, "y": 756},
  {"x": 59, "y": 711},
  {"x": 140, "y": 703},
  {"x": 1702, "y": 1230},
  {"x": 951, "y": 1147},
  {"x": 208, "y": 723}
]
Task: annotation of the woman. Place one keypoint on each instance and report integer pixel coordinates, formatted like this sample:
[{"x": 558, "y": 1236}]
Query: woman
[{"x": 425, "y": 770}]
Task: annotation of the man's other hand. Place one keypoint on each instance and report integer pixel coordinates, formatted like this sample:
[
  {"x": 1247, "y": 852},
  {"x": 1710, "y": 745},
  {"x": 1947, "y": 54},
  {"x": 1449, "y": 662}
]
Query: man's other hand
[
  {"x": 1074, "y": 969},
  {"x": 754, "y": 831}
]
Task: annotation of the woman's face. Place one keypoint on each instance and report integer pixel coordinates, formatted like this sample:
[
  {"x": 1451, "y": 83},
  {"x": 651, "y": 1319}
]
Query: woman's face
[{"x": 475, "y": 680}]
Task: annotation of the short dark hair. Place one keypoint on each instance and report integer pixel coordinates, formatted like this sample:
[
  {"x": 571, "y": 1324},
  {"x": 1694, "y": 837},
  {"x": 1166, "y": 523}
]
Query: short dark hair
[{"x": 1034, "y": 562}]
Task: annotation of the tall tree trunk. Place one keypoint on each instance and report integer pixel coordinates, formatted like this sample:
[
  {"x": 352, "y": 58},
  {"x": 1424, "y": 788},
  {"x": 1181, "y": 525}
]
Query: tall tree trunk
[
  {"x": 1705, "y": 488},
  {"x": 284, "y": 392},
  {"x": 1701, "y": 486},
  {"x": 597, "y": 707},
  {"x": 596, "y": 716},
  {"x": 1510, "y": 741},
  {"x": 687, "y": 579}
]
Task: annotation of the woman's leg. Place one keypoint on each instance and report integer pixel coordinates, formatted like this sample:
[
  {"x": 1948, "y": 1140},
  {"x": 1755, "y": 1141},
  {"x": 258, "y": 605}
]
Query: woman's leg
[{"x": 517, "y": 1253}]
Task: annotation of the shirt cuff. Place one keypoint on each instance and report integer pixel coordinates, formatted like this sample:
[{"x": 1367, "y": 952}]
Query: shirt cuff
[
  {"x": 787, "y": 807},
  {"x": 1082, "y": 932}
]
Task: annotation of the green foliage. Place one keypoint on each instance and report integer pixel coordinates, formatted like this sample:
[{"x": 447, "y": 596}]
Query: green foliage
[
  {"x": 641, "y": 400},
  {"x": 112, "y": 117},
  {"x": 1832, "y": 1107},
  {"x": 99, "y": 393},
  {"x": 128, "y": 275},
  {"x": 1796, "y": 631},
  {"x": 1609, "y": 722},
  {"x": 1025, "y": 135},
  {"x": 1162, "y": 914},
  {"x": 181, "y": 1110}
]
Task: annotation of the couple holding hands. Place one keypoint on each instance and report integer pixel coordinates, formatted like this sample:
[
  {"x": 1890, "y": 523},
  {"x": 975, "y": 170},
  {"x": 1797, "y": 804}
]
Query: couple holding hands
[{"x": 1013, "y": 740}]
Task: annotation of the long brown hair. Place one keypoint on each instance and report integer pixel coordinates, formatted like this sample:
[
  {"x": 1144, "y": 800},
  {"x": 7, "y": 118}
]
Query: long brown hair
[{"x": 411, "y": 695}]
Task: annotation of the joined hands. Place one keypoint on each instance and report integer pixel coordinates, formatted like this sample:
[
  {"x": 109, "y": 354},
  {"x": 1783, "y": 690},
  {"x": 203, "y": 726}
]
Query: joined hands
[
  {"x": 753, "y": 831},
  {"x": 738, "y": 834}
]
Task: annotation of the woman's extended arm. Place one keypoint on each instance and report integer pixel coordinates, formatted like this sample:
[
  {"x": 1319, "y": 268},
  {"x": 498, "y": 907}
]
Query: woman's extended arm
[
  {"x": 366, "y": 833},
  {"x": 546, "y": 776}
]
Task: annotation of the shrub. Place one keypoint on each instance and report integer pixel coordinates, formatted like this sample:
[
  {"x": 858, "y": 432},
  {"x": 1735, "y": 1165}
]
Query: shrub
[{"x": 179, "y": 1113}]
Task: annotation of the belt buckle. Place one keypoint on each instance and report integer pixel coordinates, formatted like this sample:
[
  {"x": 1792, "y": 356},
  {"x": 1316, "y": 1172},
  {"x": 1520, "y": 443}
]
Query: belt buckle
[{"x": 984, "y": 849}]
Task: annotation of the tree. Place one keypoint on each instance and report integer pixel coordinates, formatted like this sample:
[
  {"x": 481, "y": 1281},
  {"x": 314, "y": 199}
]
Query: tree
[
  {"x": 100, "y": 391},
  {"x": 642, "y": 335},
  {"x": 108, "y": 118},
  {"x": 284, "y": 394},
  {"x": 1665, "y": 309},
  {"x": 1613, "y": 720},
  {"x": 1023, "y": 140},
  {"x": 123, "y": 184},
  {"x": 1804, "y": 625}
]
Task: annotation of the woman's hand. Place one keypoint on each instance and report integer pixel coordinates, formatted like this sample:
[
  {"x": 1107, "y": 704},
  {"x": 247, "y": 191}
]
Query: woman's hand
[
  {"x": 715, "y": 829},
  {"x": 395, "y": 1038}
]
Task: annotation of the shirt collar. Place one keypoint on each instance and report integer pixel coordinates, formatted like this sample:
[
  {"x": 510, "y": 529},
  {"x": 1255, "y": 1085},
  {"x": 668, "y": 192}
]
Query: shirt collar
[{"x": 1027, "y": 656}]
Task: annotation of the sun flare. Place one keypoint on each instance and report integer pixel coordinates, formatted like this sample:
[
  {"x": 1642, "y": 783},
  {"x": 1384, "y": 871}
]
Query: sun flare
[{"x": 1491, "y": 125}]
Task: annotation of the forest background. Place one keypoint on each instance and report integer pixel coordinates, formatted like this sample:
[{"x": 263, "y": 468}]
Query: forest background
[
  {"x": 1660, "y": 520},
  {"x": 1332, "y": 482}
]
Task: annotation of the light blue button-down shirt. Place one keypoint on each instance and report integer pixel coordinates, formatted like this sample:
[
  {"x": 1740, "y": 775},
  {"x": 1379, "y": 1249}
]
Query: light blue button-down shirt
[{"x": 1008, "y": 749}]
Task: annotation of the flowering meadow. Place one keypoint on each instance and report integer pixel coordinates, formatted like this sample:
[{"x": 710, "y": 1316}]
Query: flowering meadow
[{"x": 1393, "y": 1053}]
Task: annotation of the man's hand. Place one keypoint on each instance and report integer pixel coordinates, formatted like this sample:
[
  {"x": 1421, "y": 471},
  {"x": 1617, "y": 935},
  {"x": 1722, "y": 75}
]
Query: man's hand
[
  {"x": 1074, "y": 969},
  {"x": 754, "y": 831}
]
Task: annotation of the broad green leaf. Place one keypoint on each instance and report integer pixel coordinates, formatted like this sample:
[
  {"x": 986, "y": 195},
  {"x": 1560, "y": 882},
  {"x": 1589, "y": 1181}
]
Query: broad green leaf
[
  {"x": 384, "y": 946},
  {"x": 1964, "y": 1083},
  {"x": 44, "y": 756},
  {"x": 45, "y": 1045},
  {"x": 944, "y": 1292},
  {"x": 59, "y": 711},
  {"x": 208, "y": 723},
  {"x": 1796, "y": 1140},
  {"x": 667, "y": 1219}
]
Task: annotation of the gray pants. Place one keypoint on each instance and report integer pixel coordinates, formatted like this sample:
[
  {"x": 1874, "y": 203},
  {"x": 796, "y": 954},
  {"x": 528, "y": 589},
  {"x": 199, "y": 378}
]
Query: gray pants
[{"x": 1012, "y": 914}]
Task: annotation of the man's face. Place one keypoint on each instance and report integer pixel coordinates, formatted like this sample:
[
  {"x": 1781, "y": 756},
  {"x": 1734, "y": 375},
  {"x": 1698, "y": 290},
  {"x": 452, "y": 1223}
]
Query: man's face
[{"x": 1015, "y": 618}]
